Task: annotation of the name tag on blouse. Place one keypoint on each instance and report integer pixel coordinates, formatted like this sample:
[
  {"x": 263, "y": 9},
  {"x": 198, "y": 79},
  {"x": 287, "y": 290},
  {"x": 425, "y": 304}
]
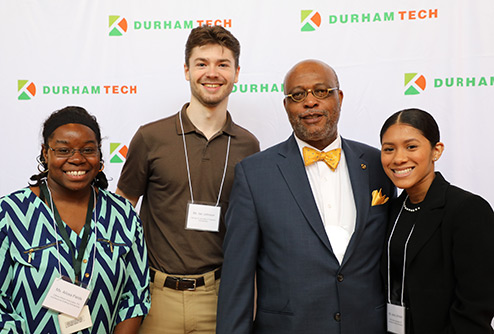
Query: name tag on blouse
[
  {"x": 396, "y": 319},
  {"x": 65, "y": 297},
  {"x": 203, "y": 217},
  {"x": 70, "y": 324}
]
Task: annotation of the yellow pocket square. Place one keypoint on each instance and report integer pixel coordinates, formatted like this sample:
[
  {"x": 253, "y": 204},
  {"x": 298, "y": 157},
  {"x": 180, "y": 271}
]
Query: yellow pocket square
[{"x": 378, "y": 198}]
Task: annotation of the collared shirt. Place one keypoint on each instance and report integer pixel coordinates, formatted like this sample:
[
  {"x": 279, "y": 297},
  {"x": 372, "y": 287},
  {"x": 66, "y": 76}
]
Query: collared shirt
[
  {"x": 334, "y": 198},
  {"x": 156, "y": 169}
]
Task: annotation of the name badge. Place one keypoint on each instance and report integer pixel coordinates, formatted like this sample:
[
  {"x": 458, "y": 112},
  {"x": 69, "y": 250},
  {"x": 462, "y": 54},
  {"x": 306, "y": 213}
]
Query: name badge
[
  {"x": 65, "y": 297},
  {"x": 203, "y": 217},
  {"x": 70, "y": 325},
  {"x": 396, "y": 319}
]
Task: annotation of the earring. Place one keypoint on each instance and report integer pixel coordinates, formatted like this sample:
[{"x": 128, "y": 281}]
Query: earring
[
  {"x": 41, "y": 165},
  {"x": 101, "y": 166}
]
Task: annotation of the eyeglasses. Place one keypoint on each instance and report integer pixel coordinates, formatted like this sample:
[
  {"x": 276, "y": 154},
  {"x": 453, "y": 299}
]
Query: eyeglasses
[
  {"x": 318, "y": 94},
  {"x": 65, "y": 152}
]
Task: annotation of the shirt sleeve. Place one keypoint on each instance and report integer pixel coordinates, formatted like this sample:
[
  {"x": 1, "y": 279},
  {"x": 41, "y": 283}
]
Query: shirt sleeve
[
  {"x": 134, "y": 176},
  {"x": 473, "y": 253},
  {"x": 10, "y": 321},
  {"x": 135, "y": 300}
]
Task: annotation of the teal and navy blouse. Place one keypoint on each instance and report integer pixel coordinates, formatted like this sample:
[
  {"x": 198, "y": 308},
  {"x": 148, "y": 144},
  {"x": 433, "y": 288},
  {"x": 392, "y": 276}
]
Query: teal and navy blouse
[{"x": 29, "y": 263}]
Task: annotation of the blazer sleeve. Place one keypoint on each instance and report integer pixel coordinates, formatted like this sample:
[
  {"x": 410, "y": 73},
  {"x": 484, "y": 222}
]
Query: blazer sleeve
[
  {"x": 473, "y": 256},
  {"x": 236, "y": 295}
]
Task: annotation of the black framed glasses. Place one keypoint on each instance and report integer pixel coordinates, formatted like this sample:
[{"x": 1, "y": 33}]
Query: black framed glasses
[
  {"x": 66, "y": 152},
  {"x": 319, "y": 93}
]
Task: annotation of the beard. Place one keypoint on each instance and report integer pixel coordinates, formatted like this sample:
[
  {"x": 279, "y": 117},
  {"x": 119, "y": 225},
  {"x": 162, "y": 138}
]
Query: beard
[{"x": 314, "y": 133}]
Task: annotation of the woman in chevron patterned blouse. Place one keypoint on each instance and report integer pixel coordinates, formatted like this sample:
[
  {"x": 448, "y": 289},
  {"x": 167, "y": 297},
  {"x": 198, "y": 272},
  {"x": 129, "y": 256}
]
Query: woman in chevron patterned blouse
[{"x": 73, "y": 254}]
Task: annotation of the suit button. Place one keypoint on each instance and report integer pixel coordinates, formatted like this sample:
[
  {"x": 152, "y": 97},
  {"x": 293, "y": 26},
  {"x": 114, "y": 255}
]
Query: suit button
[
  {"x": 337, "y": 316},
  {"x": 340, "y": 278}
]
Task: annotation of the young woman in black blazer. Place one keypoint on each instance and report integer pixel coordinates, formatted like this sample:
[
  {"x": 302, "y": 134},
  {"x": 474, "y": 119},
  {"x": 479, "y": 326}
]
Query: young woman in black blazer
[{"x": 439, "y": 257}]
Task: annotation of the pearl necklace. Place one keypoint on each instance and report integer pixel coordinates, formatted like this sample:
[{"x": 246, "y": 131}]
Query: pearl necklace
[{"x": 408, "y": 209}]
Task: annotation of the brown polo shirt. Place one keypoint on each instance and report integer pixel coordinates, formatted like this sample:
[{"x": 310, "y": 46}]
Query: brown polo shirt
[{"x": 156, "y": 169}]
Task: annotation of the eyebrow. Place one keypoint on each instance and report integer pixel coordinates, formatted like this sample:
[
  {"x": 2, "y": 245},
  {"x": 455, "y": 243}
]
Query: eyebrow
[
  {"x": 59, "y": 141},
  {"x": 314, "y": 85},
  {"x": 406, "y": 141},
  {"x": 221, "y": 60}
]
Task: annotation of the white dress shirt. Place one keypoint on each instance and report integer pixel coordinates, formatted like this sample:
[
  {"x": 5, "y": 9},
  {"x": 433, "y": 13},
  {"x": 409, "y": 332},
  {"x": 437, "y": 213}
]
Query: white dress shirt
[{"x": 334, "y": 198}]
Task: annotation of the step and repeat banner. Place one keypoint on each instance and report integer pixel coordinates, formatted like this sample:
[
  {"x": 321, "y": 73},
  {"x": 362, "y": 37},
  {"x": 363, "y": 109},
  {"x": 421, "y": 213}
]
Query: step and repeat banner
[{"x": 123, "y": 61}]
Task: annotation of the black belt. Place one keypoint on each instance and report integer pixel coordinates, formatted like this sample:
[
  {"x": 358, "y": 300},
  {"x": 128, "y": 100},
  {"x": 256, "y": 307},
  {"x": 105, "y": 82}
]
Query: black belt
[{"x": 184, "y": 283}]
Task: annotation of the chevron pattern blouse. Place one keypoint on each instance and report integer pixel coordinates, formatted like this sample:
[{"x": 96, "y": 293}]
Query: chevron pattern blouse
[{"x": 29, "y": 264}]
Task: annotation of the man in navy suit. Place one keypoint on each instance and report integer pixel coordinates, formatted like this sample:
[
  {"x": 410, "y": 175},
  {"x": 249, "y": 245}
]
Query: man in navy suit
[{"x": 306, "y": 226}]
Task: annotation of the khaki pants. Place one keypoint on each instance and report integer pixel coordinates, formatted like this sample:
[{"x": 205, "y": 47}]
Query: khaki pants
[{"x": 182, "y": 312}]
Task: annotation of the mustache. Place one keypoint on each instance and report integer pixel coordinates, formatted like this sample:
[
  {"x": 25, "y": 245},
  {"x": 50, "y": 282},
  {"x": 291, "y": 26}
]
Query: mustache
[{"x": 314, "y": 111}]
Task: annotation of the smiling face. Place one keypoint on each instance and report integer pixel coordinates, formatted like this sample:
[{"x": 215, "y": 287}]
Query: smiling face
[
  {"x": 74, "y": 173},
  {"x": 313, "y": 120},
  {"x": 211, "y": 73},
  {"x": 408, "y": 159}
]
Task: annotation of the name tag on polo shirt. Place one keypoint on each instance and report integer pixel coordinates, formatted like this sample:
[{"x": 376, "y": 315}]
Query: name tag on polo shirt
[
  {"x": 396, "y": 319},
  {"x": 203, "y": 217}
]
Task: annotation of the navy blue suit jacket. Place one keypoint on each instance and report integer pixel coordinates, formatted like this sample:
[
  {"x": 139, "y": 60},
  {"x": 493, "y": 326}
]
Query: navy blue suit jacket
[{"x": 275, "y": 236}]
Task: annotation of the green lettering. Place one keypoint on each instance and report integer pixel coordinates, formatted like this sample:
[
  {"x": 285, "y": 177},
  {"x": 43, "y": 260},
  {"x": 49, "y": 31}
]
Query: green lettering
[
  {"x": 389, "y": 16},
  {"x": 438, "y": 82},
  {"x": 188, "y": 24}
]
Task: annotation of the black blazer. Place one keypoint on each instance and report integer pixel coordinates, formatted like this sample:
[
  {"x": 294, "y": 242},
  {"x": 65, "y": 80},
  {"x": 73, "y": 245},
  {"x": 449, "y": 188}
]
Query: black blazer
[{"x": 449, "y": 281}]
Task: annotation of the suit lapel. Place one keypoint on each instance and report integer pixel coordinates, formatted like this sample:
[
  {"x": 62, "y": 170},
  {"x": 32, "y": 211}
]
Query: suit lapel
[
  {"x": 292, "y": 168},
  {"x": 429, "y": 216},
  {"x": 359, "y": 178}
]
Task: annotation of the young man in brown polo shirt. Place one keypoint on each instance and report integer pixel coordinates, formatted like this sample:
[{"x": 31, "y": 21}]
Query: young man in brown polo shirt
[{"x": 183, "y": 166}]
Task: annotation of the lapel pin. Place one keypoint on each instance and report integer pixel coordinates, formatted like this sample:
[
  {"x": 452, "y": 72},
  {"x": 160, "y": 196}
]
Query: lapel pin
[{"x": 363, "y": 166}]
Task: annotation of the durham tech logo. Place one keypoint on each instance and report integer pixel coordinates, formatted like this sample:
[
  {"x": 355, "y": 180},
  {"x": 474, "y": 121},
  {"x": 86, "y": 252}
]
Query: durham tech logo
[
  {"x": 414, "y": 83},
  {"x": 118, "y": 25},
  {"x": 26, "y": 89},
  {"x": 118, "y": 152},
  {"x": 311, "y": 20}
]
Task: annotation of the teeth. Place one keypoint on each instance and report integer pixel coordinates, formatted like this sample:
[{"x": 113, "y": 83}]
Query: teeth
[
  {"x": 211, "y": 85},
  {"x": 76, "y": 173},
  {"x": 403, "y": 171}
]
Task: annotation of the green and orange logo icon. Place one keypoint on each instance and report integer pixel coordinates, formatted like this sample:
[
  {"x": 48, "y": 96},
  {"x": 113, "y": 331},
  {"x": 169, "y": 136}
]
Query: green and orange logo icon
[
  {"x": 26, "y": 89},
  {"x": 414, "y": 83},
  {"x": 118, "y": 152},
  {"x": 311, "y": 20},
  {"x": 118, "y": 25}
]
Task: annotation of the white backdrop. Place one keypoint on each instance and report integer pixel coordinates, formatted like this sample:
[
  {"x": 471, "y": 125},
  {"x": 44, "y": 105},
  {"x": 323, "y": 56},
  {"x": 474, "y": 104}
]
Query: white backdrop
[
  {"x": 123, "y": 61},
  {"x": 373, "y": 45}
]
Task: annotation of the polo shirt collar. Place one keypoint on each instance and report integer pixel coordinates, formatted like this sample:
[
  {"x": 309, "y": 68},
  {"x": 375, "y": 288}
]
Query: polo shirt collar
[{"x": 227, "y": 128}]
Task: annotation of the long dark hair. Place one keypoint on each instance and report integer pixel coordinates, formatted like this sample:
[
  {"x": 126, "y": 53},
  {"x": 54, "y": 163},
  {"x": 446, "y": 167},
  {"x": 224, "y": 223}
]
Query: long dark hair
[{"x": 61, "y": 117}]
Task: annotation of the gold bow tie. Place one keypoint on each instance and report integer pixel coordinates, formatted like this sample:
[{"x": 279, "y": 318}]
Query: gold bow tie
[{"x": 331, "y": 158}]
